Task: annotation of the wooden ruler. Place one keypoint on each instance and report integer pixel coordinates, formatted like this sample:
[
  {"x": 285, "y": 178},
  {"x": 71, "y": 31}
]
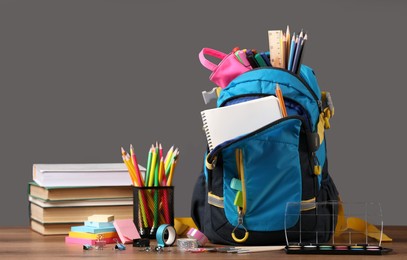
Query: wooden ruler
[{"x": 276, "y": 48}]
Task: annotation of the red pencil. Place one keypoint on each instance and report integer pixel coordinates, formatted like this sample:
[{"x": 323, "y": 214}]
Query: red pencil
[{"x": 135, "y": 164}]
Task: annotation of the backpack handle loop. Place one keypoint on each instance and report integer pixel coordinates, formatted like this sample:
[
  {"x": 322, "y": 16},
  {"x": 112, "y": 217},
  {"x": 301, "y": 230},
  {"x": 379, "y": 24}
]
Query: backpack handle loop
[{"x": 213, "y": 53}]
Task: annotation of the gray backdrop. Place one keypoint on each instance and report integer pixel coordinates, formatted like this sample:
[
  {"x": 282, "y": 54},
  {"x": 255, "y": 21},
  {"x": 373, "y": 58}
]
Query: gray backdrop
[{"x": 80, "y": 79}]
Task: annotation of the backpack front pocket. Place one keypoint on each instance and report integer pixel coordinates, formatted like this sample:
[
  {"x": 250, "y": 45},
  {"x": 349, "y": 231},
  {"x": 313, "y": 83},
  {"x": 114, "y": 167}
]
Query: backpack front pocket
[{"x": 270, "y": 176}]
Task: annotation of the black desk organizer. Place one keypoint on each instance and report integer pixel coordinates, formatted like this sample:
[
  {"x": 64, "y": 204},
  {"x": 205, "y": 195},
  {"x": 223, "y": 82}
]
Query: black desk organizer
[{"x": 337, "y": 241}]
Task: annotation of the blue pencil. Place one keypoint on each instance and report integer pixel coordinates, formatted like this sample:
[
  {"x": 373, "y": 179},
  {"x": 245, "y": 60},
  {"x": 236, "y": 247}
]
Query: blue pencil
[{"x": 291, "y": 54}]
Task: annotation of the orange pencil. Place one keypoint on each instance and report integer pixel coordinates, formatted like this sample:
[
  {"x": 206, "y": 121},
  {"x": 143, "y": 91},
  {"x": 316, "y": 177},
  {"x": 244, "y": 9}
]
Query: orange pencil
[
  {"x": 279, "y": 95},
  {"x": 172, "y": 167},
  {"x": 129, "y": 166}
]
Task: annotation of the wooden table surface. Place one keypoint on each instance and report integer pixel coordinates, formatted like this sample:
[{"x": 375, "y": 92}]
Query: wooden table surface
[{"x": 22, "y": 243}]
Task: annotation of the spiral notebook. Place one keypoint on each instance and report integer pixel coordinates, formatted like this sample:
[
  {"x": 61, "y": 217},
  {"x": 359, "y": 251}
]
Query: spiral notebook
[{"x": 224, "y": 123}]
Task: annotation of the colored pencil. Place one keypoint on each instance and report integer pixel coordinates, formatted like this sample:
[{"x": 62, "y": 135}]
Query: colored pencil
[
  {"x": 147, "y": 174},
  {"x": 135, "y": 164}
]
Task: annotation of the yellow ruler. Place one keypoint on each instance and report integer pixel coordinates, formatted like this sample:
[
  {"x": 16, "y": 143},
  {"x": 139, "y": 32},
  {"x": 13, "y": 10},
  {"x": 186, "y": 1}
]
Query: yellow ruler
[{"x": 276, "y": 48}]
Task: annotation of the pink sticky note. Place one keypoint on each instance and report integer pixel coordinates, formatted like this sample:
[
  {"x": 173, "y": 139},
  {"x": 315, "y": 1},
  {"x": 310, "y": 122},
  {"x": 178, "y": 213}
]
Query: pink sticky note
[{"x": 126, "y": 230}]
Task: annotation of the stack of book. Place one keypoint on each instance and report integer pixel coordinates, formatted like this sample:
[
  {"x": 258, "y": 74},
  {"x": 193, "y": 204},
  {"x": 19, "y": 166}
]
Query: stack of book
[
  {"x": 96, "y": 228},
  {"x": 63, "y": 195}
]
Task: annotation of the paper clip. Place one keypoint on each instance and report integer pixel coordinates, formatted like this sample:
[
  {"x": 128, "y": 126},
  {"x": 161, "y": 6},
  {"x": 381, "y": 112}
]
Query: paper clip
[
  {"x": 100, "y": 242},
  {"x": 119, "y": 246},
  {"x": 87, "y": 247}
]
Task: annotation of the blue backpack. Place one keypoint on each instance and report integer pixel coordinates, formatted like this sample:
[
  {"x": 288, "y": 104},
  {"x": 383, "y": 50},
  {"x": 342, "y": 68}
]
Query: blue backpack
[{"x": 241, "y": 195}]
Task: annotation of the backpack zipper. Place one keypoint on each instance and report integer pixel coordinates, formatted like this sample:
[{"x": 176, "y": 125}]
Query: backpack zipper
[
  {"x": 313, "y": 159},
  {"x": 213, "y": 154},
  {"x": 319, "y": 102},
  {"x": 240, "y": 210}
]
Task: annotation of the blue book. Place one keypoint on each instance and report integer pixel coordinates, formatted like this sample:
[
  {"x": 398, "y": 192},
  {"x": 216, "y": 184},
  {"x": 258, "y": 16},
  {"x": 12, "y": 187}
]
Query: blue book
[
  {"x": 96, "y": 224},
  {"x": 92, "y": 230}
]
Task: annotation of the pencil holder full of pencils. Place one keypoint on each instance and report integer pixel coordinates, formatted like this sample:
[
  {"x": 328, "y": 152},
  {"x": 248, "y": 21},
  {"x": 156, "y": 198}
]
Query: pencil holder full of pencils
[{"x": 152, "y": 207}]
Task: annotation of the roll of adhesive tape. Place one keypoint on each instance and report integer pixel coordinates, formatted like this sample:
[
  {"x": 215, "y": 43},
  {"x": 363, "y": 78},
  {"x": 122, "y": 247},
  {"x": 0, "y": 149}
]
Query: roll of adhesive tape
[
  {"x": 161, "y": 231},
  {"x": 187, "y": 243},
  {"x": 198, "y": 235}
]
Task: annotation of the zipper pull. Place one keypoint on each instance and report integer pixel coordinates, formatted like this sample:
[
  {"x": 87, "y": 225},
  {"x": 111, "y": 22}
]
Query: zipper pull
[
  {"x": 317, "y": 167},
  {"x": 240, "y": 223}
]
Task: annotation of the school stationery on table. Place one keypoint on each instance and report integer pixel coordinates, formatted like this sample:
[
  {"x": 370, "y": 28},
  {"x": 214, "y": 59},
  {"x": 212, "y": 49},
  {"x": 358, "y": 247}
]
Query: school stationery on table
[
  {"x": 225, "y": 123},
  {"x": 153, "y": 191},
  {"x": 126, "y": 230}
]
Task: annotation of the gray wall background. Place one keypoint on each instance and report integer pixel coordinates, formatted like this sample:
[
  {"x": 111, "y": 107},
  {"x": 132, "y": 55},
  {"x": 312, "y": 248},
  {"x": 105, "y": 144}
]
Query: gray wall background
[{"x": 80, "y": 79}]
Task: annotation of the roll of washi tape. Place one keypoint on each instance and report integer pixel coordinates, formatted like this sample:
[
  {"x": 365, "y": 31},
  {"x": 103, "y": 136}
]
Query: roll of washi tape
[
  {"x": 187, "y": 243},
  {"x": 161, "y": 232},
  {"x": 198, "y": 235}
]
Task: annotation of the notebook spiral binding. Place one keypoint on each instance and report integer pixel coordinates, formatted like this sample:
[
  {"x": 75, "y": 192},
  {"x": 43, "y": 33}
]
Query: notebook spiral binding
[{"x": 206, "y": 129}]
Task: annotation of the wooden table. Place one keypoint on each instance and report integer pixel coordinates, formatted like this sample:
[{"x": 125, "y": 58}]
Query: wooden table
[{"x": 22, "y": 243}]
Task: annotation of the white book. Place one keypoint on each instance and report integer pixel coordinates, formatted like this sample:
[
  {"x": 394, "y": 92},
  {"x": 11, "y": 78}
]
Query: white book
[
  {"x": 80, "y": 203},
  {"x": 225, "y": 123},
  {"x": 82, "y": 174}
]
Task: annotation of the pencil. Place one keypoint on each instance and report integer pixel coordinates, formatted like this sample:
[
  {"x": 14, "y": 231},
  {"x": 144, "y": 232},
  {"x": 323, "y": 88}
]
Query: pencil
[
  {"x": 297, "y": 52},
  {"x": 279, "y": 95},
  {"x": 283, "y": 42},
  {"x": 160, "y": 149},
  {"x": 147, "y": 174},
  {"x": 171, "y": 160},
  {"x": 161, "y": 171},
  {"x": 168, "y": 156},
  {"x": 294, "y": 41},
  {"x": 143, "y": 201},
  {"x": 301, "y": 53},
  {"x": 135, "y": 164},
  {"x": 129, "y": 167},
  {"x": 288, "y": 39},
  {"x": 171, "y": 172},
  {"x": 153, "y": 165}
]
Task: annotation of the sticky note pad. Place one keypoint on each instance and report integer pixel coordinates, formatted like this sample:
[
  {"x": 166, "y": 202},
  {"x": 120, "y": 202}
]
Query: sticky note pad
[
  {"x": 238, "y": 199},
  {"x": 236, "y": 184},
  {"x": 99, "y": 224},
  {"x": 126, "y": 230},
  {"x": 101, "y": 218}
]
